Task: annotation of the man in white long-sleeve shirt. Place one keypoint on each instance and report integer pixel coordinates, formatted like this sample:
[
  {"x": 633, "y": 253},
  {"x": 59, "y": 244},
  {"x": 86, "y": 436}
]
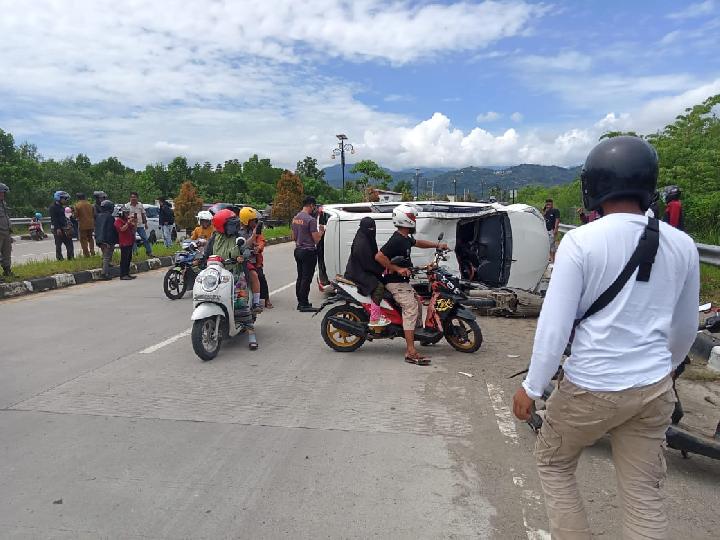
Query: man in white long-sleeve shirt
[{"x": 617, "y": 380}]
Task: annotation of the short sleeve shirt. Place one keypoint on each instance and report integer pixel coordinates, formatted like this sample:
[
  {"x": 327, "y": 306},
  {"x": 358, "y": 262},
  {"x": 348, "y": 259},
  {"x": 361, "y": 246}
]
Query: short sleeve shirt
[
  {"x": 303, "y": 225},
  {"x": 398, "y": 245},
  {"x": 550, "y": 217},
  {"x": 139, "y": 211}
]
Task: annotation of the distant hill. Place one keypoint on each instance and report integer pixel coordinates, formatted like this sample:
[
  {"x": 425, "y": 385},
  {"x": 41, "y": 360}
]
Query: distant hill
[{"x": 476, "y": 179}]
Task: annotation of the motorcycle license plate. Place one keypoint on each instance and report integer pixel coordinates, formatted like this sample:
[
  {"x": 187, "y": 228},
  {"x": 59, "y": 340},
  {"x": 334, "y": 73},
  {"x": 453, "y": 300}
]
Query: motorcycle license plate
[{"x": 444, "y": 304}]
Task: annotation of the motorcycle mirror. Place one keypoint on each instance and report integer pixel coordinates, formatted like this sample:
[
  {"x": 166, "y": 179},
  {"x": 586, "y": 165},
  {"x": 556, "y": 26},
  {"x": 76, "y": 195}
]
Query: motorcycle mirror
[
  {"x": 441, "y": 236},
  {"x": 240, "y": 242}
]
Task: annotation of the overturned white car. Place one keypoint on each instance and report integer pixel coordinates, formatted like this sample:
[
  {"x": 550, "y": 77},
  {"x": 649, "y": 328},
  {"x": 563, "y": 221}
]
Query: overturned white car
[{"x": 496, "y": 245}]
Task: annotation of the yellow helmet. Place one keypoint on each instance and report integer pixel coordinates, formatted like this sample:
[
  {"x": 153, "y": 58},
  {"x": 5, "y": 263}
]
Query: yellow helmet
[{"x": 247, "y": 214}]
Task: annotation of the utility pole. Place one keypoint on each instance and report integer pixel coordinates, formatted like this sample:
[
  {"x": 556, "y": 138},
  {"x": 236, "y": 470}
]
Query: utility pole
[
  {"x": 454, "y": 181},
  {"x": 417, "y": 183},
  {"x": 340, "y": 151}
]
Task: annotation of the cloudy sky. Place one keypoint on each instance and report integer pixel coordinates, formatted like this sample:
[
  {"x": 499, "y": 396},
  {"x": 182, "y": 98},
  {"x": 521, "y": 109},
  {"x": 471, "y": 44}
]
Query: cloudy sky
[{"x": 412, "y": 83}]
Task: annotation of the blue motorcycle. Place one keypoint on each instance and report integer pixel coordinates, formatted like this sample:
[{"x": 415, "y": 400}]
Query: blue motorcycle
[{"x": 186, "y": 267}]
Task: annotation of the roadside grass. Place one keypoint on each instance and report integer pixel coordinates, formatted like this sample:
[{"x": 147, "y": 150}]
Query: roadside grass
[
  {"x": 710, "y": 283},
  {"x": 35, "y": 269},
  {"x": 276, "y": 232},
  {"x": 47, "y": 267}
]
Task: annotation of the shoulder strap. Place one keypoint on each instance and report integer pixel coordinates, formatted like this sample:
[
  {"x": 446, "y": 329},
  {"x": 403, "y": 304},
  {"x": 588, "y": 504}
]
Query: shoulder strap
[{"x": 643, "y": 258}]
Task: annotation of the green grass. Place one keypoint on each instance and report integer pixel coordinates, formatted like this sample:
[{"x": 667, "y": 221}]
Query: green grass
[
  {"x": 710, "y": 283},
  {"x": 275, "y": 232},
  {"x": 48, "y": 267},
  {"x": 35, "y": 269}
]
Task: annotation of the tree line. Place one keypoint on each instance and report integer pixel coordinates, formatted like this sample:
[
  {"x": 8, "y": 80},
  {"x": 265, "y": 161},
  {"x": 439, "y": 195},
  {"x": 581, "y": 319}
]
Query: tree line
[{"x": 689, "y": 152}]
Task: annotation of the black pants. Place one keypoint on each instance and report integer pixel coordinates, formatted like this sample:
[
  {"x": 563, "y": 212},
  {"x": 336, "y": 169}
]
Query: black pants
[
  {"x": 125, "y": 257},
  {"x": 306, "y": 260},
  {"x": 61, "y": 239},
  {"x": 264, "y": 291}
]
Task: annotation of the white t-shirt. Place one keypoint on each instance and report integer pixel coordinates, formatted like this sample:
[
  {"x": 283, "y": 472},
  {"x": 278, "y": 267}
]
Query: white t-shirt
[
  {"x": 642, "y": 334},
  {"x": 139, "y": 211}
]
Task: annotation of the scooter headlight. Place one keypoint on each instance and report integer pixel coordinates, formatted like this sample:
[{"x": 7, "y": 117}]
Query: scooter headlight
[{"x": 210, "y": 281}]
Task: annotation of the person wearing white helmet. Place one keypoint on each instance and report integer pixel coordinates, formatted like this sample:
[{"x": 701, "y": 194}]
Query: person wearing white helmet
[
  {"x": 5, "y": 232},
  {"x": 397, "y": 279},
  {"x": 205, "y": 228}
]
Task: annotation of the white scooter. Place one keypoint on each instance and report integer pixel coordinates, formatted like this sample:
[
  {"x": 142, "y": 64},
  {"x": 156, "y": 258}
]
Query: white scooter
[{"x": 216, "y": 314}]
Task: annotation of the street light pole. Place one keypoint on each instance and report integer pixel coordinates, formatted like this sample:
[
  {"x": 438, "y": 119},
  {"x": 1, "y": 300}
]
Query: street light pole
[
  {"x": 417, "y": 184},
  {"x": 340, "y": 151},
  {"x": 454, "y": 181}
]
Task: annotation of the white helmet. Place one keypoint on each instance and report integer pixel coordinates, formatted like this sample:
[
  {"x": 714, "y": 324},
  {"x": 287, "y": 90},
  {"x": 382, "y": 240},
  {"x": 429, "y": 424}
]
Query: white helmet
[
  {"x": 405, "y": 215},
  {"x": 204, "y": 215}
]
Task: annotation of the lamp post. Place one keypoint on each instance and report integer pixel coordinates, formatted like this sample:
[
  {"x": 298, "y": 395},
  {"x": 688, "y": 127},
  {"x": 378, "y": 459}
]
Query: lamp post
[
  {"x": 340, "y": 151},
  {"x": 418, "y": 174},
  {"x": 455, "y": 181}
]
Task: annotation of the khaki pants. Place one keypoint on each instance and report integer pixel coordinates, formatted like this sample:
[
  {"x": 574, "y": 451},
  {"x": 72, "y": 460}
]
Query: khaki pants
[
  {"x": 86, "y": 239},
  {"x": 405, "y": 296},
  {"x": 636, "y": 420},
  {"x": 5, "y": 250}
]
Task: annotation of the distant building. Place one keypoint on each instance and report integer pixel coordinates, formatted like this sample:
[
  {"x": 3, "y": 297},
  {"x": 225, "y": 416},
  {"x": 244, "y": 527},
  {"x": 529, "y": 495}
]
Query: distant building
[{"x": 383, "y": 195}]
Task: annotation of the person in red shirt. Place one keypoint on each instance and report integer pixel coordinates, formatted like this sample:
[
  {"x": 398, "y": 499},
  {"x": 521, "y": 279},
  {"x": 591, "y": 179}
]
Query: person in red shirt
[
  {"x": 673, "y": 207},
  {"x": 125, "y": 225}
]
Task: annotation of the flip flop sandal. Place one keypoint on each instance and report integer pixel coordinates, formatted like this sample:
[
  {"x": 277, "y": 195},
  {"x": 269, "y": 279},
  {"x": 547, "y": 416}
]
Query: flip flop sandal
[{"x": 417, "y": 359}]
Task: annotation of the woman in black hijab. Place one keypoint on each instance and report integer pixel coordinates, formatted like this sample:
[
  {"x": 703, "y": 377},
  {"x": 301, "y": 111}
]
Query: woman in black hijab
[{"x": 365, "y": 271}]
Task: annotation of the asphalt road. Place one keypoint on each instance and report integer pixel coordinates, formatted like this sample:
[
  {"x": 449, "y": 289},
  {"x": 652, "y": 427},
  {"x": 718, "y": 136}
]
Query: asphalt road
[
  {"x": 111, "y": 427},
  {"x": 26, "y": 250}
]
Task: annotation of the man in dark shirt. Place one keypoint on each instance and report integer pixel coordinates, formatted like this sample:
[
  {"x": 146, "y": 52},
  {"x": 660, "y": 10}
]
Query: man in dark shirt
[
  {"x": 6, "y": 239},
  {"x": 61, "y": 226},
  {"x": 166, "y": 220},
  {"x": 397, "y": 279},
  {"x": 552, "y": 223},
  {"x": 306, "y": 235}
]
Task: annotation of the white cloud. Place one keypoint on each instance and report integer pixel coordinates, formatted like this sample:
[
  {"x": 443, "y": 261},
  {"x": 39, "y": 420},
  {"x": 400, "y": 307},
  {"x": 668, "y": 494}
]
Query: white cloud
[
  {"x": 564, "y": 61},
  {"x": 394, "y": 98},
  {"x": 516, "y": 117},
  {"x": 698, "y": 9},
  {"x": 490, "y": 116}
]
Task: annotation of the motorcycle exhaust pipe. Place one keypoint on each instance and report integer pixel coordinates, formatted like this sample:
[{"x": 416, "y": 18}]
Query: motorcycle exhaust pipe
[{"x": 351, "y": 327}]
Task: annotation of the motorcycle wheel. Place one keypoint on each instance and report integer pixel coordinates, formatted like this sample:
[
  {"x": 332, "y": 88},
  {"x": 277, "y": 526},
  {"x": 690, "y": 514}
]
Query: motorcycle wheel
[
  {"x": 205, "y": 341},
  {"x": 340, "y": 340},
  {"x": 174, "y": 284},
  {"x": 463, "y": 335}
]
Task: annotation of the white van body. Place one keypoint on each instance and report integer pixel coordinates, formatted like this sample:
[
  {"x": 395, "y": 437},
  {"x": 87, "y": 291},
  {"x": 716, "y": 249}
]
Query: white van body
[{"x": 514, "y": 236}]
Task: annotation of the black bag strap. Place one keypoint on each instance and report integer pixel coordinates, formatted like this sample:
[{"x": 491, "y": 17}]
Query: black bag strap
[{"x": 643, "y": 258}]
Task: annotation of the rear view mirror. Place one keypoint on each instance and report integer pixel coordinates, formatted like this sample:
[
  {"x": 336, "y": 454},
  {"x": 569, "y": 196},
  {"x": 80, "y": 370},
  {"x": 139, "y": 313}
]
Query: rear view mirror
[
  {"x": 441, "y": 236},
  {"x": 240, "y": 242}
]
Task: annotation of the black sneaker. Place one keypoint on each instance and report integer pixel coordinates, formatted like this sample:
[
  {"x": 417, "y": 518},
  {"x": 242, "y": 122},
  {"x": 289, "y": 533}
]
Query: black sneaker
[
  {"x": 125, "y": 278},
  {"x": 307, "y": 308}
]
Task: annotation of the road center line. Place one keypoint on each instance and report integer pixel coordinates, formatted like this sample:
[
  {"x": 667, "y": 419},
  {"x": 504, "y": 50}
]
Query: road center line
[
  {"x": 503, "y": 416},
  {"x": 152, "y": 348}
]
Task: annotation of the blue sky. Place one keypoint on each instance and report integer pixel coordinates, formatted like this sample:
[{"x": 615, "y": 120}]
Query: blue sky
[{"x": 411, "y": 83}]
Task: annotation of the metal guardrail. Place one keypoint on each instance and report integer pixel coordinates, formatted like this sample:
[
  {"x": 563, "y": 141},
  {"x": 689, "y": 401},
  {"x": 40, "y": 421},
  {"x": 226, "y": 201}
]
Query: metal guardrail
[
  {"x": 708, "y": 254},
  {"x": 26, "y": 221}
]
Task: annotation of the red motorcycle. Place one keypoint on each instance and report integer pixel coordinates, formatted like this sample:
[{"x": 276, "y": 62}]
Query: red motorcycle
[{"x": 345, "y": 327}]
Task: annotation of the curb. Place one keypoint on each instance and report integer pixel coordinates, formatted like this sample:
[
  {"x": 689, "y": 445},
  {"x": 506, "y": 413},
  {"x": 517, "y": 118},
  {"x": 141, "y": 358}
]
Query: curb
[{"x": 59, "y": 281}]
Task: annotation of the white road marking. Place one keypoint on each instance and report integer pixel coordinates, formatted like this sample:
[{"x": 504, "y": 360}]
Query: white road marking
[
  {"x": 506, "y": 425},
  {"x": 168, "y": 341},
  {"x": 503, "y": 416},
  {"x": 186, "y": 333}
]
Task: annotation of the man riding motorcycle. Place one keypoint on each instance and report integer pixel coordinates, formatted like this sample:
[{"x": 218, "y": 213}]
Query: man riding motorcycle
[{"x": 398, "y": 275}]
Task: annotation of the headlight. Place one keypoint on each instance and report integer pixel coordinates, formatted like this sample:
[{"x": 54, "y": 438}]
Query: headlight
[{"x": 210, "y": 281}]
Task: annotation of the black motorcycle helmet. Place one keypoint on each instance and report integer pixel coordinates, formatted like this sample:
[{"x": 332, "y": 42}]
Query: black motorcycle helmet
[
  {"x": 618, "y": 168},
  {"x": 671, "y": 193},
  {"x": 107, "y": 206}
]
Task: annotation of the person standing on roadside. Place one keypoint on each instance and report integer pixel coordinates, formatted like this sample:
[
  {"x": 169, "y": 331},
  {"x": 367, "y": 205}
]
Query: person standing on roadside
[
  {"x": 306, "y": 235},
  {"x": 106, "y": 235},
  {"x": 260, "y": 244},
  {"x": 673, "y": 207},
  {"x": 6, "y": 239},
  {"x": 86, "y": 223},
  {"x": 61, "y": 227},
  {"x": 617, "y": 380},
  {"x": 552, "y": 224},
  {"x": 136, "y": 209},
  {"x": 99, "y": 197},
  {"x": 166, "y": 220},
  {"x": 125, "y": 225}
]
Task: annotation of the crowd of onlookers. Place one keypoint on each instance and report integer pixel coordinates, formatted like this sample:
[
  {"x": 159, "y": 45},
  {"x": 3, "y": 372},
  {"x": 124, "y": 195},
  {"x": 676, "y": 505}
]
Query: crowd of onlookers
[{"x": 671, "y": 196}]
